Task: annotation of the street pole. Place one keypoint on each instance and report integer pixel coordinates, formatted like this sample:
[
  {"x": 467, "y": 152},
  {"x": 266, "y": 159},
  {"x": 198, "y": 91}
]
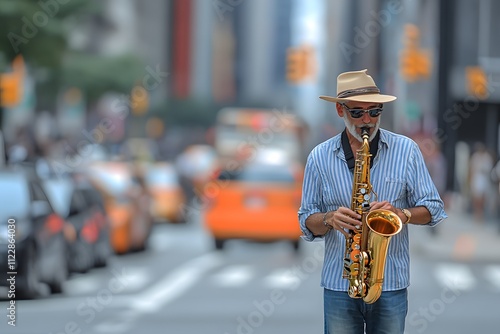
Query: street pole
[
  {"x": 3, "y": 147},
  {"x": 447, "y": 136}
]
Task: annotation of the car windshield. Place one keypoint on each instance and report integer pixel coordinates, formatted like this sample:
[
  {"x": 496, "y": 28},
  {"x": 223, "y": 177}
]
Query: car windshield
[
  {"x": 161, "y": 176},
  {"x": 260, "y": 173},
  {"x": 13, "y": 197},
  {"x": 115, "y": 181},
  {"x": 59, "y": 193}
]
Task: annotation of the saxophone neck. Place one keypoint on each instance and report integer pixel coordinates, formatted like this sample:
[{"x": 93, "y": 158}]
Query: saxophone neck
[
  {"x": 365, "y": 134},
  {"x": 365, "y": 144}
]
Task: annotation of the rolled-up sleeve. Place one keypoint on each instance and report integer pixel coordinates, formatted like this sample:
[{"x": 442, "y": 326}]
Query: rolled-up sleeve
[
  {"x": 422, "y": 191},
  {"x": 311, "y": 196}
]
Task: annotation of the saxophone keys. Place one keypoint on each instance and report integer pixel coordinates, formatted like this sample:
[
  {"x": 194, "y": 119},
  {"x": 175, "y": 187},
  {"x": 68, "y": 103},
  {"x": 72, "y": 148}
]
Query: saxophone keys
[
  {"x": 355, "y": 255},
  {"x": 364, "y": 258},
  {"x": 363, "y": 289},
  {"x": 354, "y": 269},
  {"x": 353, "y": 292},
  {"x": 356, "y": 238}
]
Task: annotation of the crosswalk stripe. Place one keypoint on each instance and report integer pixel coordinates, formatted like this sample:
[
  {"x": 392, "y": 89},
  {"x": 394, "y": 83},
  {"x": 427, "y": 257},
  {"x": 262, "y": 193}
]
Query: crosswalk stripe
[
  {"x": 455, "y": 276},
  {"x": 282, "y": 279},
  {"x": 233, "y": 276},
  {"x": 492, "y": 273},
  {"x": 137, "y": 278},
  {"x": 82, "y": 284},
  {"x": 173, "y": 284}
]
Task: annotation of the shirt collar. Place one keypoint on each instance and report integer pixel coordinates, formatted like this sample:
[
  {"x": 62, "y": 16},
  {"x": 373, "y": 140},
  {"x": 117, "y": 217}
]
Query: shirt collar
[
  {"x": 337, "y": 142},
  {"x": 383, "y": 138}
]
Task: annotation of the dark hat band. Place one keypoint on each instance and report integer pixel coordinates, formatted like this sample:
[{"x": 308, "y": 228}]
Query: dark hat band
[{"x": 358, "y": 91}]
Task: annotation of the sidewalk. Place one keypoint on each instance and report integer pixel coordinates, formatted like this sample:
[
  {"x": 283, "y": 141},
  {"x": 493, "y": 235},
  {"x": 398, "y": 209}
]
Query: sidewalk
[{"x": 458, "y": 238}]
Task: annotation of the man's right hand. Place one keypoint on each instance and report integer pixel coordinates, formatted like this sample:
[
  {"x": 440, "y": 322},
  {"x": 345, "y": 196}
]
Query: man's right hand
[{"x": 343, "y": 219}]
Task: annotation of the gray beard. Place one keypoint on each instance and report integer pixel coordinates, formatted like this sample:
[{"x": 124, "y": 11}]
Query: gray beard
[{"x": 352, "y": 128}]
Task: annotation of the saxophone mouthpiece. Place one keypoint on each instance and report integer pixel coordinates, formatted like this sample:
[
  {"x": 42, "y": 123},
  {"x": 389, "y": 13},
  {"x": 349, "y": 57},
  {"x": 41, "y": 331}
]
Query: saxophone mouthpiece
[{"x": 365, "y": 131}]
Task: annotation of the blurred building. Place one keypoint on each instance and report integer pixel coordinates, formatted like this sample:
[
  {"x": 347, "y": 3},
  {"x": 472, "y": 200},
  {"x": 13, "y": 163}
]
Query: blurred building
[
  {"x": 440, "y": 58},
  {"x": 471, "y": 82},
  {"x": 433, "y": 55}
]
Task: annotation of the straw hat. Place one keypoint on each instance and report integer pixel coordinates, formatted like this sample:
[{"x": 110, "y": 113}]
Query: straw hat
[{"x": 357, "y": 86}]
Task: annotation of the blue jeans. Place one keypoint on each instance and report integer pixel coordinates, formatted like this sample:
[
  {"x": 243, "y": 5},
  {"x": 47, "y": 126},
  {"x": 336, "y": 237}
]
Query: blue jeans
[{"x": 345, "y": 315}]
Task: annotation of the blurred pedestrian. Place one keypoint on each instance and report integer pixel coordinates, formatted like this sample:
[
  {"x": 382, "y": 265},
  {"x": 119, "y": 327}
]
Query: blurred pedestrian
[
  {"x": 436, "y": 165},
  {"x": 3, "y": 150},
  {"x": 24, "y": 147},
  {"x": 404, "y": 188},
  {"x": 495, "y": 176},
  {"x": 481, "y": 164},
  {"x": 462, "y": 162}
]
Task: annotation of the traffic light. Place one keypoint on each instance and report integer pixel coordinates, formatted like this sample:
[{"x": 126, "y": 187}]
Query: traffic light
[
  {"x": 295, "y": 65},
  {"x": 139, "y": 100},
  {"x": 408, "y": 64},
  {"x": 155, "y": 127},
  {"x": 477, "y": 82},
  {"x": 10, "y": 88},
  {"x": 415, "y": 63},
  {"x": 424, "y": 64},
  {"x": 11, "y": 84},
  {"x": 300, "y": 64}
]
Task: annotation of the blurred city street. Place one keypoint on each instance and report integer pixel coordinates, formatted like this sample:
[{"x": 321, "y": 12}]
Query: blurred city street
[
  {"x": 182, "y": 285},
  {"x": 455, "y": 275},
  {"x": 153, "y": 153},
  {"x": 459, "y": 238}
]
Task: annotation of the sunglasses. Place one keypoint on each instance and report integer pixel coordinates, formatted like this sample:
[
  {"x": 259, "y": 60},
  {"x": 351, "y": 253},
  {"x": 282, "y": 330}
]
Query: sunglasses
[{"x": 358, "y": 113}]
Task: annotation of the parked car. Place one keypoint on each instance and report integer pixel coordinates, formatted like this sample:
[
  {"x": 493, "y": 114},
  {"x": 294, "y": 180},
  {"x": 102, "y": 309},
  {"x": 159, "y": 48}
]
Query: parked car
[
  {"x": 95, "y": 204},
  {"x": 258, "y": 202},
  {"x": 88, "y": 241},
  {"x": 162, "y": 181},
  {"x": 127, "y": 204},
  {"x": 36, "y": 230}
]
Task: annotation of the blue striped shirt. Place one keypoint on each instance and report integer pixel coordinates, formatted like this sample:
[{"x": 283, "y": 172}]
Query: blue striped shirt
[{"x": 398, "y": 175}]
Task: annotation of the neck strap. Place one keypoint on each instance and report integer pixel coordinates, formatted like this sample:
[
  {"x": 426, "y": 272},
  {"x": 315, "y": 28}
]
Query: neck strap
[{"x": 349, "y": 156}]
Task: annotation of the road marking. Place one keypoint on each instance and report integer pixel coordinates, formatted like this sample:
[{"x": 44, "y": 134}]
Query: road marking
[
  {"x": 82, "y": 284},
  {"x": 123, "y": 323},
  {"x": 282, "y": 279},
  {"x": 492, "y": 274},
  {"x": 455, "y": 276},
  {"x": 174, "y": 284},
  {"x": 169, "y": 237},
  {"x": 233, "y": 276},
  {"x": 137, "y": 278}
]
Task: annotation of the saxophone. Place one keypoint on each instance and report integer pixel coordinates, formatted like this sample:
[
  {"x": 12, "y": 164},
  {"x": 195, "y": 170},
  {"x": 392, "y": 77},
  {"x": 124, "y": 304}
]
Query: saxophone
[{"x": 366, "y": 247}]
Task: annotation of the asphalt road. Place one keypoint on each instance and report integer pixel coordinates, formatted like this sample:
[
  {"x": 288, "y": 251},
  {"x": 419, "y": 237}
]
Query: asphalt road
[{"x": 180, "y": 285}]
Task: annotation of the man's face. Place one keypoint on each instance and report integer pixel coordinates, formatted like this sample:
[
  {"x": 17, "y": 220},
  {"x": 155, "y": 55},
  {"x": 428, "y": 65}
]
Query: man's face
[{"x": 349, "y": 110}]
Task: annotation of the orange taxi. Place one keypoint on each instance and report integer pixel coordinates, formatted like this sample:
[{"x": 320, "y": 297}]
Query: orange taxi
[
  {"x": 127, "y": 203},
  {"x": 258, "y": 202},
  {"x": 168, "y": 198}
]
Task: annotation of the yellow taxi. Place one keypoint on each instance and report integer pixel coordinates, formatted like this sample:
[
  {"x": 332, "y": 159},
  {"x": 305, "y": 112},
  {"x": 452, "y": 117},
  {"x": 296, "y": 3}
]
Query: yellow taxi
[
  {"x": 127, "y": 203},
  {"x": 258, "y": 202},
  {"x": 168, "y": 198}
]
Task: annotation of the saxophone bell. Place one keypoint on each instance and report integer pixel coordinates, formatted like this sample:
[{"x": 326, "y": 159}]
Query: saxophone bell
[{"x": 382, "y": 225}]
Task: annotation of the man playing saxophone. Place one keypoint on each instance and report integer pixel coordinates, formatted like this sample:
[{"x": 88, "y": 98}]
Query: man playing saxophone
[{"x": 361, "y": 180}]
